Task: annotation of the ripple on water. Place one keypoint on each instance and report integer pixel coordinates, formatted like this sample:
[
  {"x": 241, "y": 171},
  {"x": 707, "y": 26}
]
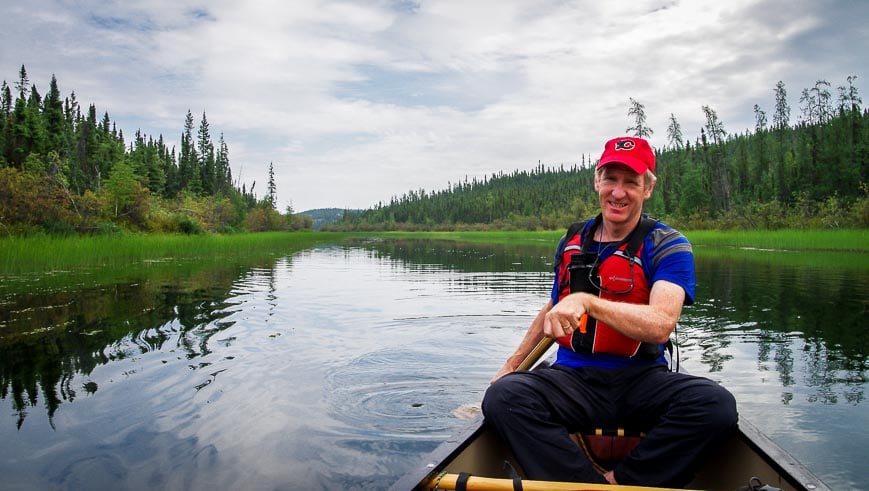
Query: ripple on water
[{"x": 407, "y": 392}]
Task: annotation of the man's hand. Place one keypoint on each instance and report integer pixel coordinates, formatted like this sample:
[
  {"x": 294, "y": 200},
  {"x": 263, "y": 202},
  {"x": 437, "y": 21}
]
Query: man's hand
[
  {"x": 507, "y": 368},
  {"x": 565, "y": 316}
]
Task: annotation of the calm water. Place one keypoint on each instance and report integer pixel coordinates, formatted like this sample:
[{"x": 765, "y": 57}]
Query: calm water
[{"x": 339, "y": 367}]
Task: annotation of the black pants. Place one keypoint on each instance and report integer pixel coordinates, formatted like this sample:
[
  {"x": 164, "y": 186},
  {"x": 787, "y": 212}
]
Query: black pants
[{"x": 683, "y": 416}]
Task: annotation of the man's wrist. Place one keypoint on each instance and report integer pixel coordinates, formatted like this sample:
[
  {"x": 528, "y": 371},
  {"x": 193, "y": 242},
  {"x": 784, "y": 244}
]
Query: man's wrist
[{"x": 514, "y": 361}]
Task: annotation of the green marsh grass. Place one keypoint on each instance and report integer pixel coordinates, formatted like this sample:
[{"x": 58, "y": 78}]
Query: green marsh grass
[
  {"x": 19, "y": 255},
  {"x": 45, "y": 254},
  {"x": 789, "y": 240}
]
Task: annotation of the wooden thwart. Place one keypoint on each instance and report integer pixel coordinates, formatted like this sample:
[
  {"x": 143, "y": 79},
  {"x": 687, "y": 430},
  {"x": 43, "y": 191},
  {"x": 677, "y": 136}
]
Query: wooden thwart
[{"x": 475, "y": 483}]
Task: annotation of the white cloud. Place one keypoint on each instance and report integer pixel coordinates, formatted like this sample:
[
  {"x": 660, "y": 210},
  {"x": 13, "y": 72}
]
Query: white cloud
[{"x": 355, "y": 102}]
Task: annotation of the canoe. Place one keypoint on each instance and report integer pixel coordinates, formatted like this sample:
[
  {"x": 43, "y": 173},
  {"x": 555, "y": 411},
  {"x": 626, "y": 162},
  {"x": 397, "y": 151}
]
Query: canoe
[
  {"x": 477, "y": 450},
  {"x": 748, "y": 460}
]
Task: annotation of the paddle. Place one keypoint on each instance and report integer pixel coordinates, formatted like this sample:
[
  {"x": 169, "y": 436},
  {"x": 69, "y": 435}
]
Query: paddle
[
  {"x": 469, "y": 411},
  {"x": 475, "y": 483},
  {"x": 538, "y": 351}
]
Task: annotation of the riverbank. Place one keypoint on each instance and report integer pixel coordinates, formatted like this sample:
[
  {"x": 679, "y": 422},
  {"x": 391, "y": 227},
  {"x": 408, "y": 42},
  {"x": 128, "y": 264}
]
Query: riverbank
[
  {"x": 47, "y": 253},
  {"x": 839, "y": 240}
]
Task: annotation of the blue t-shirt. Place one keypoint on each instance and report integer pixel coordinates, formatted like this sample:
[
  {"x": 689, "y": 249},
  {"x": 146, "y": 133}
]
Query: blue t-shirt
[{"x": 666, "y": 255}]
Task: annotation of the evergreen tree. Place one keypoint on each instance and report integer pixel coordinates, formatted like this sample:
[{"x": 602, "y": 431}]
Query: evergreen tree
[
  {"x": 5, "y": 122},
  {"x": 849, "y": 99},
  {"x": 23, "y": 84},
  {"x": 221, "y": 168},
  {"x": 674, "y": 133},
  {"x": 188, "y": 161},
  {"x": 272, "y": 191},
  {"x": 694, "y": 198},
  {"x": 5, "y": 100},
  {"x": 763, "y": 183},
  {"x": 19, "y": 137},
  {"x": 856, "y": 134},
  {"x": 640, "y": 129},
  {"x": 816, "y": 111},
  {"x": 817, "y": 107},
  {"x": 714, "y": 150},
  {"x": 88, "y": 172},
  {"x": 54, "y": 121},
  {"x": 169, "y": 168},
  {"x": 759, "y": 119},
  {"x": 781, "y": 126},
  {"x": 71, "y": 110},
  {"x": 206, "y": 158}
]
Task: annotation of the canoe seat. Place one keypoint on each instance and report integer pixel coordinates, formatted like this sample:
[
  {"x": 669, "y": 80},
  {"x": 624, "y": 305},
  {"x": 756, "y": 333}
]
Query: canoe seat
[{"x": 605, "y": 448}]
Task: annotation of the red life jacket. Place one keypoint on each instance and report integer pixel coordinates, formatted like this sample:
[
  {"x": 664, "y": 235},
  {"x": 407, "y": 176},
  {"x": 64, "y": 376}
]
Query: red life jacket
[{"x": 620, "y": 277}]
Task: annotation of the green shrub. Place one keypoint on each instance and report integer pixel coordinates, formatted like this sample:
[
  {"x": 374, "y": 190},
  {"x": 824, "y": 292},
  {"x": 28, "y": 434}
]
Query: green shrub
[{"x": 188, "y": 225}]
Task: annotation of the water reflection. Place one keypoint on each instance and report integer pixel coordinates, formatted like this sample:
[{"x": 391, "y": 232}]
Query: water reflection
[
  {"x": 437, "y": 255},
  {"x": 813, "y": 315},
  {"x": 49, "y": 337}
]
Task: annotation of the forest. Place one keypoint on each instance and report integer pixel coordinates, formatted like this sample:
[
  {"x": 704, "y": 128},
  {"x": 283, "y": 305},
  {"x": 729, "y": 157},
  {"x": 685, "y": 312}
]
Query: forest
[
  {"x": 809, "y": 174},
  {"x": 65, "y": 170}
]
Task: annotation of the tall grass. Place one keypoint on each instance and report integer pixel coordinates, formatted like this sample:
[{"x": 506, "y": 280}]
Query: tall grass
[
  {"x": 46, "y": 253},
  {"x": 793, "y": 240},
  {"x": 854, "y": 240}
]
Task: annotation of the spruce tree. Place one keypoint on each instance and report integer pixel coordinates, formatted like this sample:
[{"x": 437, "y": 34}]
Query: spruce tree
[
  {"x": 18, "y": 134},
  {"x": 272, "y": 191},
  {"x": 188, "y": 162},
  {"x": 206, "y": 157},
  {"x": 91, "y": 175},
  {"x": 763, "y": 188},
  {"x": 5, "y": 99},
  {"x": 221, "y": 168},
  {"x": 54, "y": 121},
  {"x": 638, "y": 111},
  {"x": 674, "y": 133},
  {"x": 5, "y": 124},
  {"x": 721, "y": 183},
  {"x": 781, "y": 127},
  {"x": 23, "y": 84}
]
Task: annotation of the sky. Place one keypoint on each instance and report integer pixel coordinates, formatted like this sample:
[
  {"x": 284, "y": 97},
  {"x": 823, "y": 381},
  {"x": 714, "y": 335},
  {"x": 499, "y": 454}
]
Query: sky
[{"x": 357, "y": 102}]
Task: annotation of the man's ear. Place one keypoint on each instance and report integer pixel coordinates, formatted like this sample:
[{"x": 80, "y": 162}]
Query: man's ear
[{"x": 648, "y": 191}]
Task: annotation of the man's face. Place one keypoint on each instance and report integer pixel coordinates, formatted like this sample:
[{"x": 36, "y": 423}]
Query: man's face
[{"x": 622, "y": 193}]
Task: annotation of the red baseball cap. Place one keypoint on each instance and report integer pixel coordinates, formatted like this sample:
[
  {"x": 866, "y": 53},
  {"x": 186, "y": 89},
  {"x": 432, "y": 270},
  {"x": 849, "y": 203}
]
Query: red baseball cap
[{"x": 631, "y": 151}]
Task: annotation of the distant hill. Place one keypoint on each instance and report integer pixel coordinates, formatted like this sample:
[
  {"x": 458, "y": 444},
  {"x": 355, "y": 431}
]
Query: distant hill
[{"x": 325, "y": 216}]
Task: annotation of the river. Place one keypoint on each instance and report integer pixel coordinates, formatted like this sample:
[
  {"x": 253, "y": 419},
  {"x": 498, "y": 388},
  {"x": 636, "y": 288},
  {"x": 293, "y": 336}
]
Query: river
[{"x": 339, "y": 367}]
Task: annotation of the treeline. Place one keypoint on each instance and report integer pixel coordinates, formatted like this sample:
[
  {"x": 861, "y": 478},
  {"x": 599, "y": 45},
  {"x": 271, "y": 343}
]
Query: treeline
[
  {"x": 66, "y": 170},
  {"x": 810, "y": 174}
]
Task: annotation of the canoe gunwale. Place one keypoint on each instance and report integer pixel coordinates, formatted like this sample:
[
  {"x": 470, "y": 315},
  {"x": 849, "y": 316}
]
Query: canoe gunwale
[
  {"x": 434, "y": 462},
  {"x": 797, "y": 475}
]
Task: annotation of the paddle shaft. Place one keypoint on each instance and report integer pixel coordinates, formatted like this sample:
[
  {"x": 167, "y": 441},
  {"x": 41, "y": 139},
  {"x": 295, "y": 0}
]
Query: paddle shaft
[
  {"x": 535, "y": 354},
  {"x": 475, "y": 483}
]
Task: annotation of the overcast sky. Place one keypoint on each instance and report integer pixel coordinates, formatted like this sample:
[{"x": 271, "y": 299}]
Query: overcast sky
[{"x": 357, "y": 102}]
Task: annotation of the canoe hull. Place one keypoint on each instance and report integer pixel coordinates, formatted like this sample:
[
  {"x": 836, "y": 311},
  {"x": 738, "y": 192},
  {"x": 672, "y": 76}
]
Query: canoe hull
[{"x": 749, "y": 453}]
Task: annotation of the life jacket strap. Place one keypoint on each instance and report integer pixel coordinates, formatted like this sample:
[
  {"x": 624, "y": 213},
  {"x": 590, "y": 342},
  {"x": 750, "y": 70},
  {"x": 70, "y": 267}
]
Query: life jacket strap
[{"x": 634, "y": 239}]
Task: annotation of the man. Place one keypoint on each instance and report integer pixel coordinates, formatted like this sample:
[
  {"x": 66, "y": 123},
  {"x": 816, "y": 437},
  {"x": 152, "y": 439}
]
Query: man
[{"x": 621, "y": 281}]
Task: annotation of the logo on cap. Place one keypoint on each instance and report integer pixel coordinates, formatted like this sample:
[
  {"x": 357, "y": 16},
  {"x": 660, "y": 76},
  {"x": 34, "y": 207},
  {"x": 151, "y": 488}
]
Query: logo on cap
[{"x": 625, "y": 145}]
